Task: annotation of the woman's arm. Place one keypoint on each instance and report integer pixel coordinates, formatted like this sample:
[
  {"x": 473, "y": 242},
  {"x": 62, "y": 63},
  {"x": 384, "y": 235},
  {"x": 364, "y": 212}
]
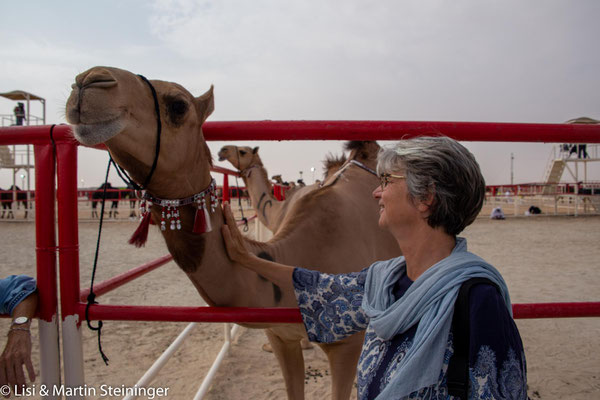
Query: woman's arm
[
  {"x": 279, "y": 274},
  {"x": 17, "y": 352}
]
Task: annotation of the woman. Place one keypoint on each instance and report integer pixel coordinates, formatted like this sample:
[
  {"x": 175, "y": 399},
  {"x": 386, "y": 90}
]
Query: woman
[
  {"x": 431, "y": 189},
  {"x": 19, "y": 299}
]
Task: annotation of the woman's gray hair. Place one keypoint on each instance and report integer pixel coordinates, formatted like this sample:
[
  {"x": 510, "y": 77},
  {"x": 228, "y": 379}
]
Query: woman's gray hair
[{"x": 443, "y": 167}]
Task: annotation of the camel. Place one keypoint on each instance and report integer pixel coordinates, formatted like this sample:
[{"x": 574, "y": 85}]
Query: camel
[
  {"x": 278, "y": 179},
  {"x": 333, "y": 229}
]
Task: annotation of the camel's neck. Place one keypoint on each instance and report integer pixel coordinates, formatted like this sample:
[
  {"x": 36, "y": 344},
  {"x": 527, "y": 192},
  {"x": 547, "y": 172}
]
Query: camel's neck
[
  {"x": 267, "y": 207},
  {"x": 204, "y": 259}
]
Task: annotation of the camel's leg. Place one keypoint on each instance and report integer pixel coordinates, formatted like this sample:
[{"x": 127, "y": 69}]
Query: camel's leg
[
  {"x": 343, "y": 359},
  {"x": 291, "y": 362},
  {"x": 304, "y": 343}
]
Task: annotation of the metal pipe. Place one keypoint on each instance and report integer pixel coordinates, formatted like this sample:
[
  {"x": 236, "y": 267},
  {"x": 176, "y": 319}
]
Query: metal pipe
[
  {"x": 68, "y": 240},
  {"x": 162, "y": 360},
  {"x": 215, "y": 367},
  {"x": 190, "y": 314},
  {"x": 45, "y": 233},
  {"x": 556, "y": 310},
  {"x": 119, "y": 280},
  {"x": 357, "y": 130}
]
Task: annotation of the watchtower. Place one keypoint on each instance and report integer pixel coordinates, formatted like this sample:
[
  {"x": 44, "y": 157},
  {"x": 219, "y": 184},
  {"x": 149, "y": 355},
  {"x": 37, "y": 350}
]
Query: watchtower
[
  {"x": 574, "y": 158},
  {"x": 20, "y": 158}
]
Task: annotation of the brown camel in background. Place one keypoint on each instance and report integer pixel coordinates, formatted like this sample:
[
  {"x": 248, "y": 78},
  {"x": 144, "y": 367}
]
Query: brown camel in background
[{"x": 269, "y": 210}]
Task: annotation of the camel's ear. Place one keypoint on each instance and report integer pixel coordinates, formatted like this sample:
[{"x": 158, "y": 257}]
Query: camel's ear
[
  {"x": 205, "y": 104},
  {"x": 255, "y": 150}
]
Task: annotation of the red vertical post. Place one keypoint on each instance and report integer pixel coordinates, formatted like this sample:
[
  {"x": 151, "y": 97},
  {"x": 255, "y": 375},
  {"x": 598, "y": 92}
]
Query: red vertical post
[
  {"x": 45, "y": 231},
  {"x": 45, "y": 238},
  {"x": 68, "y": 235},
  {"x": 68, "y": 241},
  {"x": 226, "y": 187}
]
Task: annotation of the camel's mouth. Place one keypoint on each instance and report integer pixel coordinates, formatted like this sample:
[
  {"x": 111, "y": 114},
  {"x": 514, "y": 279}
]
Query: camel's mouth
[
  {"x": 222, "y": 155},
  {"x": 96, "y": 133}
]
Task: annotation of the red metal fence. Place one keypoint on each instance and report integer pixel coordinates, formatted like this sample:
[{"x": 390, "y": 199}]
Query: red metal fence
[{"x": 56, "y": 167}]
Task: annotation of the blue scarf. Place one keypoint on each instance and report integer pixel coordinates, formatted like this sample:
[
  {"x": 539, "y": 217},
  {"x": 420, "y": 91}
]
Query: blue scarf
[{"x": 429, "y": 301}]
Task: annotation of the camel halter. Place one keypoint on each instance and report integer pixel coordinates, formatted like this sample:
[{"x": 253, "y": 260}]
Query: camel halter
[
  {"x": 122, "y": 173},
  {"x": 363, "y": 166}
]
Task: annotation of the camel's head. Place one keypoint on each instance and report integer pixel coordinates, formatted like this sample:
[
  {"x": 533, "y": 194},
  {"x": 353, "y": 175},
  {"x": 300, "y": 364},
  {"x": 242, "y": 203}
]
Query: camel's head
[
  {"x": 240, "y": 157},
  {"x": 278, "y": 179},
  {"x": 365, "y": 151},
  {"x": 116, "y": 107}
]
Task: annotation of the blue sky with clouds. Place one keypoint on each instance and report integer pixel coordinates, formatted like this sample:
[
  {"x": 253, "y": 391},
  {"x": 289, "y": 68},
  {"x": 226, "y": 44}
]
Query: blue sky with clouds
[{"x": 464, "y": 60}]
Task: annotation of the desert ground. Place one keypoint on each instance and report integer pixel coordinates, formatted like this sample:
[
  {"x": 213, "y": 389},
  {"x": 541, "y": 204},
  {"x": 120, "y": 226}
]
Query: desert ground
[{"x": 543, "y": 259}]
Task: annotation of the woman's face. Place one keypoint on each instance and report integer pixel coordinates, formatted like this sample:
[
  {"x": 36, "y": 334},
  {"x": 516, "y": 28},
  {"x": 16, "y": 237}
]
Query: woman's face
[{"x": 397, "y": 210}]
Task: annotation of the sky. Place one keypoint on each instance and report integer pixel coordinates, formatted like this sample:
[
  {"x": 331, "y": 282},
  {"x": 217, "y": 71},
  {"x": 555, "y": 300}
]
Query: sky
[{"x": 415, "y": 60}]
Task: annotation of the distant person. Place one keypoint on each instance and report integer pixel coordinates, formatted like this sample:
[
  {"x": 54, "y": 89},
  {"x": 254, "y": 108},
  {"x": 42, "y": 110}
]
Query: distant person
[
  {"x": 534, "y": 210},
  {"x": 497, "y": 213},
  {"x": 573, "y": 149},
  {"x": 301, "y": 182},
  {"x": 19, "y": 111},
  {"x": 582, "y": 151},
  {"x": 19, "y": 299}
]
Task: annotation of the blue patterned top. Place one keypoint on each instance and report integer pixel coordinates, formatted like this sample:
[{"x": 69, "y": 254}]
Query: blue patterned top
[
  {"x": 13, "y": 290},
  {"x": 331, "y": 310}
]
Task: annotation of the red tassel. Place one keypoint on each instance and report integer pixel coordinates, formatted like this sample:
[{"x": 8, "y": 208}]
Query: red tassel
[
  {"x": 202, "y": 221},
  {"x": 140, "y": 236}
]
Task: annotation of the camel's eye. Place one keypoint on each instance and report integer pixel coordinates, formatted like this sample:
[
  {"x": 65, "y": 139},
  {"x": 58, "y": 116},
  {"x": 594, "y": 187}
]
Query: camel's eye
[
  {"x": 243, "y": 152},
  {"x": 176, "y": 109}
]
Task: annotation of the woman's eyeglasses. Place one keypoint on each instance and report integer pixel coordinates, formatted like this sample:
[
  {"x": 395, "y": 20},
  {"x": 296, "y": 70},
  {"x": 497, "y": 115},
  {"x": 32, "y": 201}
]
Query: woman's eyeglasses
[{"x": 385, "y": 179}]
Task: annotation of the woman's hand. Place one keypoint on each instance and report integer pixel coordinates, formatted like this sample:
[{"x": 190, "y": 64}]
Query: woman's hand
[{"x": 234, "y": 241}]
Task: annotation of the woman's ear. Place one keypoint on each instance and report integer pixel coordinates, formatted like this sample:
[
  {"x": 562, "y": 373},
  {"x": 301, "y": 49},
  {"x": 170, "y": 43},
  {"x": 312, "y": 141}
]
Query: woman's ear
[{"x": 425, "y": 204}]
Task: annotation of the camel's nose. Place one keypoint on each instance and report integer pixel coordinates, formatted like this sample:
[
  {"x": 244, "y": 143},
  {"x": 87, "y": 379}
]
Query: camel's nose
[{"x": 96, "y": 77}]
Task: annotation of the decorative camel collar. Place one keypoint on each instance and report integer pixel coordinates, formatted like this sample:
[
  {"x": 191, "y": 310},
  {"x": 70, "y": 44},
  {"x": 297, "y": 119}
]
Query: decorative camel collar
[{"x": 170, "y": 212}]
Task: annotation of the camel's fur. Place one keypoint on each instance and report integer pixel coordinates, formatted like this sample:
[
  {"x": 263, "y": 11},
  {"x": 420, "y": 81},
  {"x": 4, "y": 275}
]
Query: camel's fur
[{"x": 333, "y": 229}]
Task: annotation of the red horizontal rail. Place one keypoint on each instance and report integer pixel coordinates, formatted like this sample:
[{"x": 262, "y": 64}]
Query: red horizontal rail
[
  {"x": 224, "y": 171},
  {"x": 351, "y": 130},
  {"x": 556, "y": 310},
  {"x": 396, "y": 130},
  {"x": 191, "y": 314},
  {"x": 120, "y": 280},
  {"x": 292, "y": 315}
]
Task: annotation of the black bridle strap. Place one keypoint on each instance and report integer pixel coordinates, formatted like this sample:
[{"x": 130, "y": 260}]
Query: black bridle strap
[{"x": 122, "y": 174}]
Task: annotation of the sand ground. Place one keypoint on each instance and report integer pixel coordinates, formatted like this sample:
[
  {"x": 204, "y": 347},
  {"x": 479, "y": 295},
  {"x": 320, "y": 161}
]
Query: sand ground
[{"x": 543, "y": 259}]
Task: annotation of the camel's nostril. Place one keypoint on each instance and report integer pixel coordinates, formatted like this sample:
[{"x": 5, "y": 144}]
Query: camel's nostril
[{"x": 97, "y": 77}]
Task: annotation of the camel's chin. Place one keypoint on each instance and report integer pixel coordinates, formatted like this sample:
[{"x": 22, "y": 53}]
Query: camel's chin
[{"x": 93, "y": 134}]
